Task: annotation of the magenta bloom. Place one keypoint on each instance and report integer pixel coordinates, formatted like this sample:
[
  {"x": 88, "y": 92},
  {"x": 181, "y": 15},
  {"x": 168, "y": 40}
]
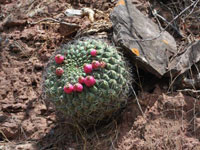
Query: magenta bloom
[
  {"x": 93, "y": 52},
  {"x": 81, "y": 79},
  {"x": 68, "y": 88},
  {"x": 78, "y": 87},
  {"x": 90, "y": 81},
  {"x": 59, "y": 71},
  {"x": 95, "y": 64},
  {"x": 59, "y": 59},
  {"x": 87, "y": 68}
]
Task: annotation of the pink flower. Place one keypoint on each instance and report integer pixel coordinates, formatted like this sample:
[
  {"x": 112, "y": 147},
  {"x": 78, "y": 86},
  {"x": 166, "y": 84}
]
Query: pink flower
[
  {"x": 87, "y": 68},
  {"x": 93, "y": 52},
  {"x": 90, "y": 81},
  {"x": 78, "y": 87},
  {"x": 59, "y": 59},
  {"x": 81, "y": 79},
  {"x": 95, "y": 64},
  {"x": 68, "y": 88},
  {"x": 59, "y": 71}
]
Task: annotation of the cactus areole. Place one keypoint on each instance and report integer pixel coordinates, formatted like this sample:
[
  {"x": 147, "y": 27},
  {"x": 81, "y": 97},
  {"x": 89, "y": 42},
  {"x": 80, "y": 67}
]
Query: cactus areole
[{"x": 88, "y": 80}]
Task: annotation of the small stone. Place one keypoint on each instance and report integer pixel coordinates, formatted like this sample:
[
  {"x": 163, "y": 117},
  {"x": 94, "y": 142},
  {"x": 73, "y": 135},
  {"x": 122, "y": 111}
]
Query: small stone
[
  {"x": 14, "y": 48},
  {"x": 37, "y": 44},
  {"x": 38, "y": 66},
  {"x": 27, "y": 146},
  {"x": 3, "y": 118}
]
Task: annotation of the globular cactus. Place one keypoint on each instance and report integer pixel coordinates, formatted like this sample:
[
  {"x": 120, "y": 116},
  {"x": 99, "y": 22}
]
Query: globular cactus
[{"x": 87, "y": 80}]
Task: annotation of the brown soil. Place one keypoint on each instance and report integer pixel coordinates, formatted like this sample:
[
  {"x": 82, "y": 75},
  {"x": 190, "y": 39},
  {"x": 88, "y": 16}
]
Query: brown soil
[{"x": 166, "y": 121}]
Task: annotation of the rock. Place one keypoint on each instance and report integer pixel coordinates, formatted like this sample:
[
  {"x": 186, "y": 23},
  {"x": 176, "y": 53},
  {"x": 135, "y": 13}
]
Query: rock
[
  {"x": 4, "y": 42},
  {"x": 41, "y": 109},
  {"x": 4, "y": 87},
  {"x": 29, "y": 34},
  {"x": 14, "y": 48},
  {"x": 3, "y": 118},
  {"x": 84, "y": 11},
  {"x": 10, "y": 129},
  {"x": 45, "y": 56},
  {"x": 184, "y": 62},
  {"x": 38, "y": 44},
  {"x": 149, "y": 47},
  {"x": 38, "y": 66},
  {"x": 89, "y": 12},
  {"x": 27, "y": 146},
  {"x": 12, "y": 21},
  {"x": 182, "y": 66},
  {"x": 5, "y": 1},
  {"x": 18, "y": 146},
  {"x": 73, "y": 12},
  {"x": 66, "y": 30},
  {"x": 13, "y": 107}
]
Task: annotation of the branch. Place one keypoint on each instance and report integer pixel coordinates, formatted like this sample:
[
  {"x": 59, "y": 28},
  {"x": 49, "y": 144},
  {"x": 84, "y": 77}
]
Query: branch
[
  {"x": 169, "y": 24},
  {"x": 55, "y": 20}
]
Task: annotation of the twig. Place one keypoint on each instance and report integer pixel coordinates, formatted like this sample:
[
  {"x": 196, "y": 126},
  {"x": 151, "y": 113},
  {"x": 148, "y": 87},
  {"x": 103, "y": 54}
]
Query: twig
[
  {"x": 194, "y": 113},
  {"x": 20, "y": 46},
  {"x": 47, "y": 146},
  {"x": 161, "y": 17},
  {"x": 4, "y": 136},
  {"x": 189, "y": 90},
  {"x": 152, "y": 11},
  {"x": 195, "y": 4},
  {"x": 55, "y": 20},
  {"x": 137, "y": 101},
  {"x": 22, "y": 130},
  {"x": 175, "y": 18}
]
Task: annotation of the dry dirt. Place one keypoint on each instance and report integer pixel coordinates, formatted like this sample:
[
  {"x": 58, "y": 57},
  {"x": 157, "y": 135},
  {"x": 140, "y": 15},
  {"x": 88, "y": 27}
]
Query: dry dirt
[{"x": 167, "y": 121}]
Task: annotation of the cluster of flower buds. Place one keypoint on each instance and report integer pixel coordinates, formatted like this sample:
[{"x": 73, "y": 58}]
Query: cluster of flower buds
[{"x": 89, "y": 80}]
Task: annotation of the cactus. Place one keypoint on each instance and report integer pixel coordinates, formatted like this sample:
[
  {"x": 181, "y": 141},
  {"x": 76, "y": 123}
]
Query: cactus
[{"x": 94, "y": 83}]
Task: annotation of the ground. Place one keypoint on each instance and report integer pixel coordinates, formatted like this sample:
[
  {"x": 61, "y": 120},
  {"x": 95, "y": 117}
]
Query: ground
[{"x": 156, "y": 119}]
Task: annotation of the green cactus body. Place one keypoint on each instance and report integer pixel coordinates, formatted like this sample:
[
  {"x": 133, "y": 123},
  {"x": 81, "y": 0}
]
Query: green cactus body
[{"x": 93, "y": 103}]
